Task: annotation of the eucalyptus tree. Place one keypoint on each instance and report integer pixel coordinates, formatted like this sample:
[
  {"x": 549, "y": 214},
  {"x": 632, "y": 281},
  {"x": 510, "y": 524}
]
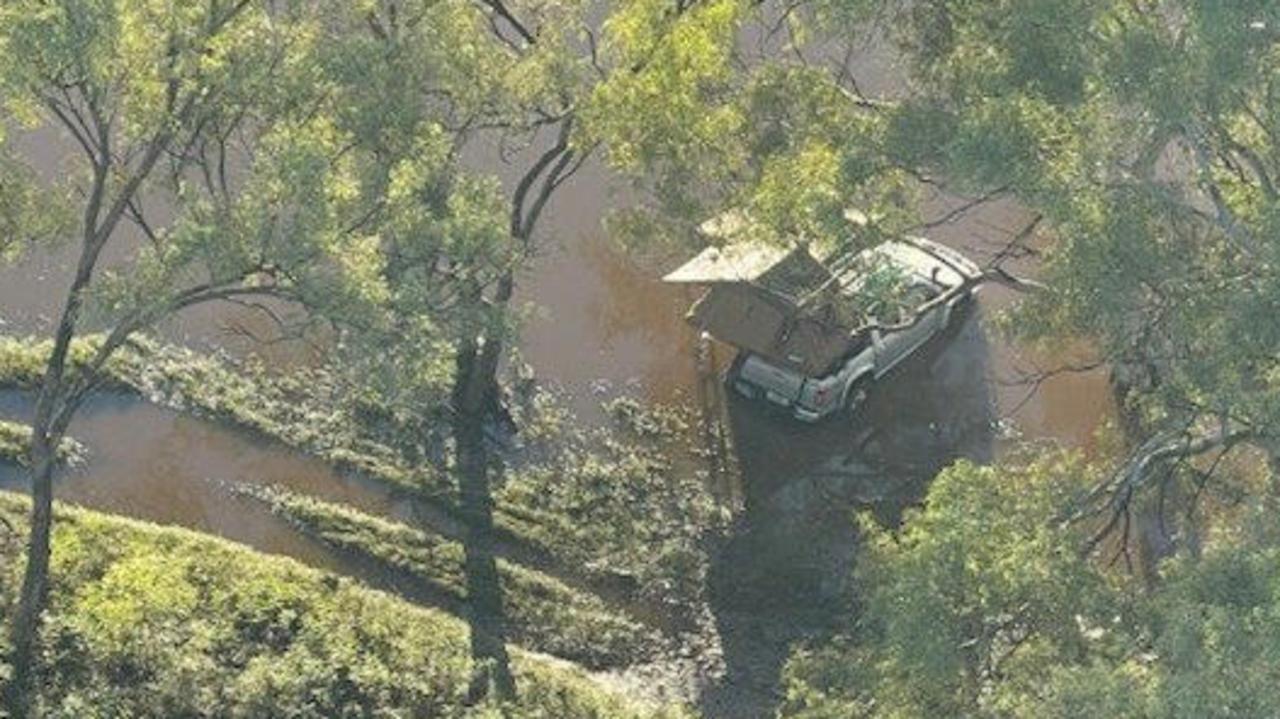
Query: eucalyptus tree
[
  {"x": 659, "y": 92},
  {"x": 654, "y": 89},
  {"x": 251, "y": 128},
  {"x": 1144, "y": 134},
  {"x": 1143, "y": 137}
]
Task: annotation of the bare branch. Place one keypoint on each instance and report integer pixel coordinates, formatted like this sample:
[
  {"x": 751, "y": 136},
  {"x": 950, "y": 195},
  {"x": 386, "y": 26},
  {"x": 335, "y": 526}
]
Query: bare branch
[
  {"x": 563, "y": 170},
  {"x": 1117, "y": 491},
  {"x": 964, "y": 208},
  {"x": 1225, "y": 218},
  {"x": 501, "y": 11},
  {"x": 521, "y": 228},
  {"x": 593, "y": 46},
  {"x": 1035, "y": 380},
  {"x": 1015, "y": 247},
  {"x": 74, "y": 123},
  {"x": 90, "y": 374},
  {"x": 140, "y": 221}
]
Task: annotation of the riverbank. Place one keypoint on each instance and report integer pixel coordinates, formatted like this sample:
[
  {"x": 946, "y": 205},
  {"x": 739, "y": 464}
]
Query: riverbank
[
  {"x": 151, "y": 621},
  {"x": 541, "y": 613}
]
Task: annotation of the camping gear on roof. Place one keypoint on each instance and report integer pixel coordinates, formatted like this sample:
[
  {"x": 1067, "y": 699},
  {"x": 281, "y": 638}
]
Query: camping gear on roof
[{"x": 777, "y": 302}]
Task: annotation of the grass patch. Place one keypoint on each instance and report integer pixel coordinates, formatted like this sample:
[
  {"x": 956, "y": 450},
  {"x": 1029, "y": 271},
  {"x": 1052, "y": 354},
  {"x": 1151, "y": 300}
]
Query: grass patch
[
  {"x": 542, "y": 612},
  {"x": 159, "y": 622},
  {"x": 623, "y": 499},
  {"x": 15, "y": 446}
]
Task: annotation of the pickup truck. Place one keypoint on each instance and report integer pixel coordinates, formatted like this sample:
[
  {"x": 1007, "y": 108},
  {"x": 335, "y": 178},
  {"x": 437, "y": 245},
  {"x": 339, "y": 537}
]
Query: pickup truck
[{"x": 933, "y": 282}]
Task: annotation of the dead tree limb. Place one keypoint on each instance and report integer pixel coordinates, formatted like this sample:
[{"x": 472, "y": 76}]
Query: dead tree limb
[{"x": 1115, "y": 494}]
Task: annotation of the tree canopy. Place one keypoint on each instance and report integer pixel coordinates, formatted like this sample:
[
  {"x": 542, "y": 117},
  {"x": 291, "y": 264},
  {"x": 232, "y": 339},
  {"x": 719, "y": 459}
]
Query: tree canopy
[
  {"x": 1143, "y": 134},
  {"x": 982, "y": 606}
]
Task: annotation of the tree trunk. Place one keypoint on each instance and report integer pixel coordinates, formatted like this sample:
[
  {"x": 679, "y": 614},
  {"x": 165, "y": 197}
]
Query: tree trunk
[
  {"x": 474, "y": 393},
  {"x": 1150, "y": 536},
  {"x": 35, "y": 580},
  {"x": 1272, "y": 449},
  {"x": 48, "y": 429},
  {"x": 1127, "y": 379}
]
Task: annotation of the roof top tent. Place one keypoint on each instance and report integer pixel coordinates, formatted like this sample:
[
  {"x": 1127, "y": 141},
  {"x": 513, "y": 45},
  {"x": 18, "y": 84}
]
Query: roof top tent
[{"x": 778, "y": 302}]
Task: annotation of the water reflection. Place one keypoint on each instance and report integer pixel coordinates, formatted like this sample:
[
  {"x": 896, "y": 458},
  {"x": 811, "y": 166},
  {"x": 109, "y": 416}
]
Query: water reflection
[{"x": 934, "y": 408}]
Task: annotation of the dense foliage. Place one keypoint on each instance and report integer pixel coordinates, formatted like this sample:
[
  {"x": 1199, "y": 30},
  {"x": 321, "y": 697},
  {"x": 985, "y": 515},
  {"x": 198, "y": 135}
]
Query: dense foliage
[
  {"x": 982, "y": 606},
  {"x": 1140, "y": 136},
  {"x": 1143, "y": 137}
]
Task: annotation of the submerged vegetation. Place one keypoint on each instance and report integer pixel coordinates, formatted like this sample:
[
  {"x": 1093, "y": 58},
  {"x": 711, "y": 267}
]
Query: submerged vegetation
[
  {"x": 152, "y": 622},
  {"x": 15, "y": 446},
  {"x": 300, "y": 409}
]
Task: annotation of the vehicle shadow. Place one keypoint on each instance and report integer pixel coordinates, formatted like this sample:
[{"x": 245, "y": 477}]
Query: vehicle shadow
[{"x": 784, "y": 574}]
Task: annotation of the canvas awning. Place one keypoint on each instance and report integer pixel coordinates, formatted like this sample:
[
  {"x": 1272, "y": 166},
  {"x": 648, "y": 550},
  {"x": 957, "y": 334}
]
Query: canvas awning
[
  {"x": 741, "y": 262},
  {"x": 754, "y": 302}
]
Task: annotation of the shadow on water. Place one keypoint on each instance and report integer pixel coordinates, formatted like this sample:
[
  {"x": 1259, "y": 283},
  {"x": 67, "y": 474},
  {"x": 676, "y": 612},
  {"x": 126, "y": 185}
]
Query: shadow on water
[{"x": 784, "y": 574}]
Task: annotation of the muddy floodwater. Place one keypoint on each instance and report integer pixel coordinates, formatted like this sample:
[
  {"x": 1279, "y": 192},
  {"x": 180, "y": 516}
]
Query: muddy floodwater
[
  {"x": 606, "y": 325},
  {"x": 600, "y": 325},
  {"x": 156, "y": 464}
]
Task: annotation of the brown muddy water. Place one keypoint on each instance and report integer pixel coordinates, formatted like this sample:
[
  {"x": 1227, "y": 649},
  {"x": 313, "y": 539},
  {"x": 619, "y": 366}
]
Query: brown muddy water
[
  {"x": 156, "y": 464},
  {"x": 603, "y": 326}
]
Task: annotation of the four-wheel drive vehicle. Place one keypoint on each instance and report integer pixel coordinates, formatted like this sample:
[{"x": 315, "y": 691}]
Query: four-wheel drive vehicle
[{"x": 813, "y": 336}]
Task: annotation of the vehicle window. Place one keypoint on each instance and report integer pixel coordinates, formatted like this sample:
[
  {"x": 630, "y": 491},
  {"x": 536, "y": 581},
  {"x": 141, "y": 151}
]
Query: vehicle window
[{"x": 915, "y": 295}]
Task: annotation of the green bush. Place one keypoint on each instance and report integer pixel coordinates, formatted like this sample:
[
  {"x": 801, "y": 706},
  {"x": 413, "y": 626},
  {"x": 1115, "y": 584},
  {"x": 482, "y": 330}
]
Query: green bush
[{"x": 982, "y": 605}]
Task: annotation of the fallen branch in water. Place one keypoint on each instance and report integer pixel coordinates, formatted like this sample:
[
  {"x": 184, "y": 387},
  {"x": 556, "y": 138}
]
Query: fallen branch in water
[{"x": 1115, "y": 494}]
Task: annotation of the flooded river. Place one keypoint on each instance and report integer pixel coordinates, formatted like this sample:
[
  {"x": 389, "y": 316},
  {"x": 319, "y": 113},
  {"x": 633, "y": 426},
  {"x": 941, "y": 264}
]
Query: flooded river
[{"x": 603, "y": 326}]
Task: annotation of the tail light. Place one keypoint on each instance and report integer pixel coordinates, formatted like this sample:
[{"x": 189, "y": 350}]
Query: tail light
[{"x": 822, "y": 395}]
